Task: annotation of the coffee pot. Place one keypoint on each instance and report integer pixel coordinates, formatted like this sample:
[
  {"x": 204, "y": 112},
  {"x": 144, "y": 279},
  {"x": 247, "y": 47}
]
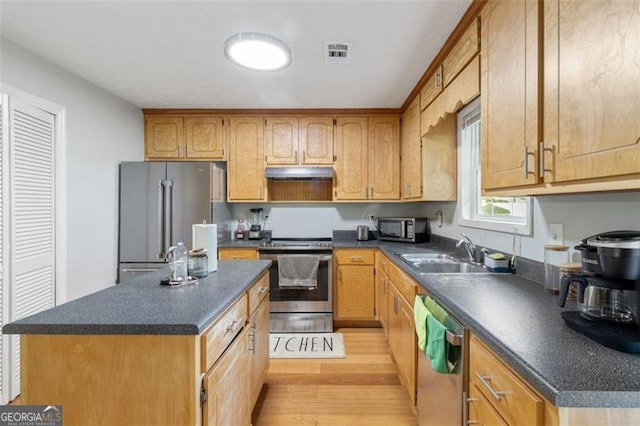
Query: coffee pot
[{"x": 608, "y": 291}]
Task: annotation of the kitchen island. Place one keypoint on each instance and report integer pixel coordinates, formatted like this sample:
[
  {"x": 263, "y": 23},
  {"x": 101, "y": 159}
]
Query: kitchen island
[{"x": 142, "y": 353}]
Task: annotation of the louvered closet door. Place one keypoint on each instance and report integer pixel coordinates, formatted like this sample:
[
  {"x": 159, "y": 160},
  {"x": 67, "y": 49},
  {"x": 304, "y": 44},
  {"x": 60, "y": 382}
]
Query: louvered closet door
[
  {"x": 31, "y": 182},
  {"x": 3, "y": 128}
]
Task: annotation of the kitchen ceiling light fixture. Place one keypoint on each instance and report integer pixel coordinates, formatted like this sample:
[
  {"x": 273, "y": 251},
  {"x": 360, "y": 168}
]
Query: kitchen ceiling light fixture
[{"x": 257, "y": 51}]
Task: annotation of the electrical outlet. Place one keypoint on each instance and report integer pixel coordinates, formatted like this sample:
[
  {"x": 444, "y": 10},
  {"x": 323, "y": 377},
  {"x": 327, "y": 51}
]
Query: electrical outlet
[
  {"x": 266, "y": 219},
  {"x": 372, "y": 218},
  {"x": 555, "y": 234}
]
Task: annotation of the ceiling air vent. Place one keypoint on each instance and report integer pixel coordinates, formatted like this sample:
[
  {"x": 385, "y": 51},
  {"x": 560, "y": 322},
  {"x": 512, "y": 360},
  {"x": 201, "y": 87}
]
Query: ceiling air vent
[{"x": 337, "y": 52}]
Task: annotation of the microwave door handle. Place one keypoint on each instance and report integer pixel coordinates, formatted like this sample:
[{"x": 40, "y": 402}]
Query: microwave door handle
[{"x": 403, "y": 229}]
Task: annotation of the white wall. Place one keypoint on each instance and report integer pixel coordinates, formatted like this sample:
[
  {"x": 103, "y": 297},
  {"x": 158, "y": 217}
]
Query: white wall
[
  {"x": 102, "y": 131},
  {"x": 581, "y": 216},
  {"x": 319, "y": 220}
]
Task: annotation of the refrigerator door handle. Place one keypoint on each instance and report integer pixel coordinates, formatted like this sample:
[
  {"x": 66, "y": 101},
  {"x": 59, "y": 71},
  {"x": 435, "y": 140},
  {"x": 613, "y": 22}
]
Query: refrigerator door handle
[
  {"x": 161, "y": 239},
  {"x": 168, "y": 214}
]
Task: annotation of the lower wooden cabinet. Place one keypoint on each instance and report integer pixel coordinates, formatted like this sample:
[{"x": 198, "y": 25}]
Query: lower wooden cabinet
[
  {"x": 354, "y": 285},
  {"x": 237, "y": 254},
  {"x": 402, "y": 339},
  {"x": 227, "y": 386},
  {"x": 258, "y": 337},
  {"x": 480, "y": 410},
  {"x": 382, "y": 289},
  {"x": 511, "y": 399}
]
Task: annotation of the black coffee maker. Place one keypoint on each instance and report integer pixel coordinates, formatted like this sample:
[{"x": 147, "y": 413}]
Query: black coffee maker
[{"x": 608, "y": 290}]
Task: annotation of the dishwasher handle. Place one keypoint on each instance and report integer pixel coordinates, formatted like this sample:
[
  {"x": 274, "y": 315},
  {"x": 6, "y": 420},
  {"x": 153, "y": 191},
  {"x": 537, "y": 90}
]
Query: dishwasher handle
[{"x": 454, "y": 339}]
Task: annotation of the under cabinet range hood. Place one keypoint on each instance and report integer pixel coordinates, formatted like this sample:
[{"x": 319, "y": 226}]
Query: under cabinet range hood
[{"x": 299, "y": 173}]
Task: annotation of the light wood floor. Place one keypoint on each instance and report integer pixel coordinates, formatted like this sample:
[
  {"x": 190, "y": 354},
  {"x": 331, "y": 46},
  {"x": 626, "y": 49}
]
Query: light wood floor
[{"x": 361, "y": 389}]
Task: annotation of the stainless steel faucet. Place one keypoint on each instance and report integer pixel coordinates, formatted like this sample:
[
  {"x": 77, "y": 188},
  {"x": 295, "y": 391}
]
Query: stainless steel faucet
[{"x": 469, "y": 246}]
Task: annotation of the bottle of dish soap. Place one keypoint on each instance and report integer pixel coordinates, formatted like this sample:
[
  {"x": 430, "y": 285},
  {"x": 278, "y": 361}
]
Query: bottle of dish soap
[{"x": 240, "y": 230}]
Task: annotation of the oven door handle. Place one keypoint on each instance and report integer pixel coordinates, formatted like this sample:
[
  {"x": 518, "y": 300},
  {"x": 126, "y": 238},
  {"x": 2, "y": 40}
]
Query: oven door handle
[{"x": 274, "y": 257}]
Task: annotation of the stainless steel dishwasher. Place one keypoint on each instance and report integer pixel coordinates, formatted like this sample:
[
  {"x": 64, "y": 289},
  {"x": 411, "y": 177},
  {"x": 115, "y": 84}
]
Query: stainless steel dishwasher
[{"x": 441, "y": 399}]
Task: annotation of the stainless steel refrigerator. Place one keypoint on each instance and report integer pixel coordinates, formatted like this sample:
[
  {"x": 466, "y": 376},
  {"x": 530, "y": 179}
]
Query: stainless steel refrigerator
[{"x": 158, "y": 204}]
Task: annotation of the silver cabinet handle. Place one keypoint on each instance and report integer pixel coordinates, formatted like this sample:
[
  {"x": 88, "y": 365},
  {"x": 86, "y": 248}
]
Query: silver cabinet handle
[
  {"x": 296, "y": 157},
  {"x": 453, "y": 339},
  {"x": 233, "y": 325},
  {"x": 551, "y": 150},
  {"x": 485, "y": 381},
  {"x": 356, "y": 259},
  {"x": 263, "y": 290},
  {"x": 526, "y": 162},
  {"x": 304, "y": 157}
]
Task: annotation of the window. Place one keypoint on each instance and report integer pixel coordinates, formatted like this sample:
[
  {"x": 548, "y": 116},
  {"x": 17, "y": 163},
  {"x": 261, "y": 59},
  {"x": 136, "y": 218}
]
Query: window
[{"x": 504, "y": 214}]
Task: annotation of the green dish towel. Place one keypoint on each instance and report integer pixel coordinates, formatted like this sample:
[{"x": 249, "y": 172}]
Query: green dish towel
[
  {"x": 436, "y": 310},
  {"x": 420, "y": 313},
  {"x": 436, "y": 350}
]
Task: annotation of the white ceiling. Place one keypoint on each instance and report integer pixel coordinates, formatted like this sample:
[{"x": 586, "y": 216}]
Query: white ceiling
[{"x": 170, "y": 54}]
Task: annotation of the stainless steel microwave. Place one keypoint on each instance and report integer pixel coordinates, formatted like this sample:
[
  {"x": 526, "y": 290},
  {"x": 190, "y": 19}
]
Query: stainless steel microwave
[{"x": 404, "y": 229}]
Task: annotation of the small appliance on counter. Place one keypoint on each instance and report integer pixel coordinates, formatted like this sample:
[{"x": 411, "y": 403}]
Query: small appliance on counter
[
  {"x": 256, "y": 224},
  {"x": 404, "y": 229},
  {"x": 363, "y": 232},
  {"x": 608, "y": 291}
]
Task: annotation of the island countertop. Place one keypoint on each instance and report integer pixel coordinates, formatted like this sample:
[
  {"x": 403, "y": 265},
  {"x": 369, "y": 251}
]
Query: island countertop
[{"x": 143, "y": 306}]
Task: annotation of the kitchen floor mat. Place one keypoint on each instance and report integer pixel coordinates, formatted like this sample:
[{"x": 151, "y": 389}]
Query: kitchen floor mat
[{"x": 306, "y": 345}]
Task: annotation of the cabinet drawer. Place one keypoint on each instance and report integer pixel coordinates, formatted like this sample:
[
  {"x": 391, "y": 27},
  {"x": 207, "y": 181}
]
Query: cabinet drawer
[
  {"x": 238, "y": 254},
  {"x": 217, "y": 337},
  {"x": 507, "y": 393},
  {"x": 258, "y": 292},
  {"x": 403, "y": 282},
  {"x": 480, "y": 410},
  {"x": 354, "y": 256}
]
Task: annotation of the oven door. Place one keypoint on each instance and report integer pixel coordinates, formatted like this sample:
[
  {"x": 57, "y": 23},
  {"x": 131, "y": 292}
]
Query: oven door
[{"x": 284, "y": 299}]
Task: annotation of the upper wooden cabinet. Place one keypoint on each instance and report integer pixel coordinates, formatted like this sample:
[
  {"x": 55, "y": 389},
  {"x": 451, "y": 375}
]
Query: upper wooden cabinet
[
  {"x": 367, "y": 158},
  {"x": 510, "y": 89},
  {"x": 163, "y": 136},
  {"x": 246, "y": 180},
  {"x": 352, "y": 150},
  {"x": 384, "y": 158},
  {"x": 281, "y": 140},
  {"x": 461, "y": 54},
  {"x": 432, "y": 88},
  {"x": 299, "y": 140},
  {"x": 316, "y": 140},
  {"x": 179, "y": 137},
  {"x": 592, "y": 89},
  {"x": 411, "y": 153},
  {"x": 440, "y": 161}
]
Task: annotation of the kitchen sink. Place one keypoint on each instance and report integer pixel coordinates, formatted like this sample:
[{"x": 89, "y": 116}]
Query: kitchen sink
[{"x": 440, "y": 263}]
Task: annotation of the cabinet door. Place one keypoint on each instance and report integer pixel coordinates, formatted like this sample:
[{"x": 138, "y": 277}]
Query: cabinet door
[
  {"x": 246, "y": 159},
  {"x": 281, "y": 140},
  {"x": 163, "y": 136},
  {"x": 510, "y": 100},
  {"x": 258, "y": 349},
  {"x": 382, "y": 283},
  {"x": 411, "y": 153},
  {"x": 480, "y": 410},
  {"x": 204, "y": 137},
  {"x": 316, "y": 140},
  {"x": 464, "y": 50},
  {"x": 351, "y": 181},
  {"x": 592, "y": 89},
  {"x": 355, "y": 298},
  {"x": 226, "y": 386},
  {"x": 408, "y": 345},
  {"x": 384, "y": 158},
  {"x": 440, "y": 160},
  {"x": 431, "y": 89}
]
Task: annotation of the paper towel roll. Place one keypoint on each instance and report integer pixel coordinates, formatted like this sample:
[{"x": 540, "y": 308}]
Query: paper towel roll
[{"x": 206, "y": 236}]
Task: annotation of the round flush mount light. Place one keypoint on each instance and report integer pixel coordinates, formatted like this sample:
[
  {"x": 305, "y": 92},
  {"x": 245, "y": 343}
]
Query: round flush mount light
[{"x": 257, "y": 51}]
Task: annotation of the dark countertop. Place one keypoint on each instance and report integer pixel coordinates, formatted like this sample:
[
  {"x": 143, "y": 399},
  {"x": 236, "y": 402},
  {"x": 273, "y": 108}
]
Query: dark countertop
[
  {"x": 521, "y": 323},
  {"x": 142, "y": 306}
]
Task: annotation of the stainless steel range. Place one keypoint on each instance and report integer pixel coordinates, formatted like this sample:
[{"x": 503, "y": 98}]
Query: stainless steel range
[{"x": 294, "y": 309}]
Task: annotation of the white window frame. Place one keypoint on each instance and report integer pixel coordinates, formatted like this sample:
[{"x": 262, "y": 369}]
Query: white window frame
[{"x": 469, "y": 182}]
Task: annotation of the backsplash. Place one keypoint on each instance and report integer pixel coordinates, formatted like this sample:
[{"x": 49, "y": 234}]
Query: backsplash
[{"x": 311, "y": 221}]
